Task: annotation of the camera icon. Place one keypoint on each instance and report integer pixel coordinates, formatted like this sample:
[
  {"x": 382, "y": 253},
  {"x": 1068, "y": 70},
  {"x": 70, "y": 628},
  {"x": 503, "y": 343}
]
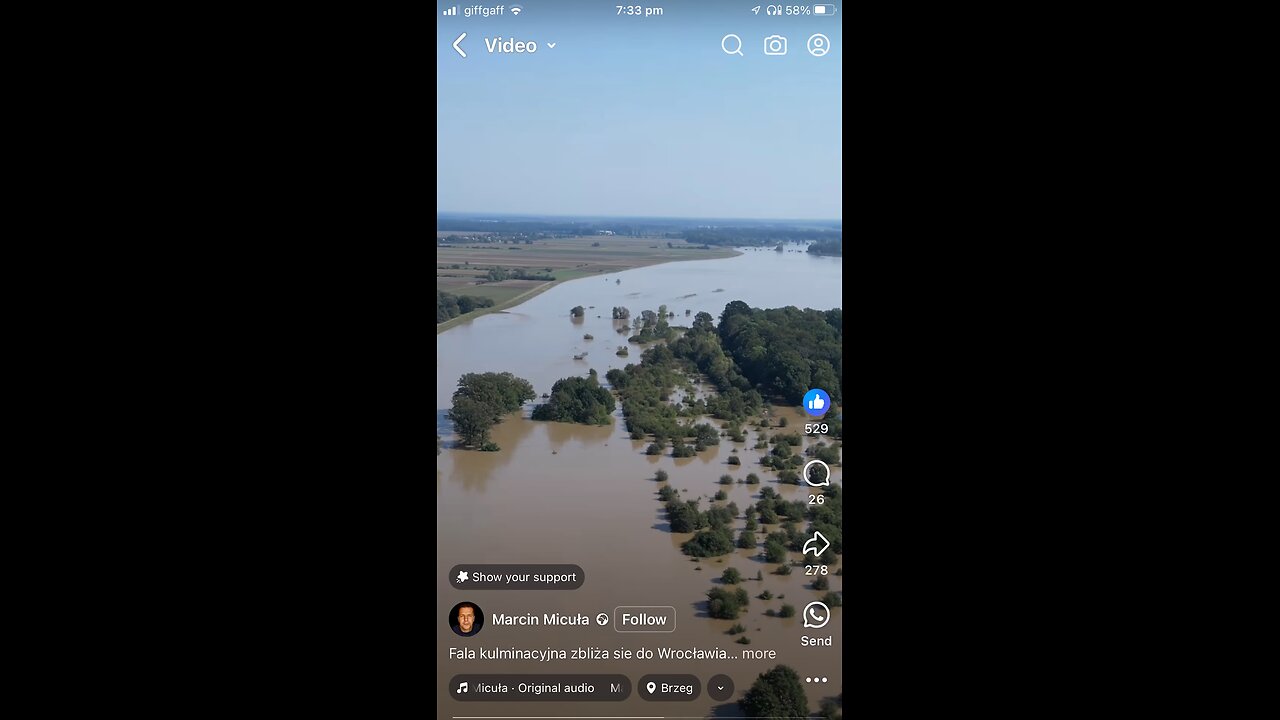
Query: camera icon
[{"x": 775, "y": 45}]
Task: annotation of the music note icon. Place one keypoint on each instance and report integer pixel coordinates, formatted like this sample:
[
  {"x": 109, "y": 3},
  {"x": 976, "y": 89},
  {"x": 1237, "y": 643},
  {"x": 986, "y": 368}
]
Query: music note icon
[{"x": 462, "y": 687}]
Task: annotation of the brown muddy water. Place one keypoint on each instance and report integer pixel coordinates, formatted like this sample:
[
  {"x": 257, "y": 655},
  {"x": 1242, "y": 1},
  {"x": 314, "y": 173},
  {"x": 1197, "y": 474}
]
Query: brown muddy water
[{"x": 561, "y": 493}]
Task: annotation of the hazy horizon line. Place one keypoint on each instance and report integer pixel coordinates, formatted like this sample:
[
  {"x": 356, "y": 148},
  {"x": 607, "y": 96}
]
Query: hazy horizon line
[{"x": 439, "y": 213}]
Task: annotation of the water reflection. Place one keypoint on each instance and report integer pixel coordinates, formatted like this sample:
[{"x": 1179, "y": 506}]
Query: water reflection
[
  {"x": 473, "y": 469},
  {"x": 561, "y": 434}
]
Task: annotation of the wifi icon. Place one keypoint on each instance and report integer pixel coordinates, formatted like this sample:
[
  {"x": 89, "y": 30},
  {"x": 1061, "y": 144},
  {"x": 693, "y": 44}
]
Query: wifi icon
[{"x": 516, "y": 10}]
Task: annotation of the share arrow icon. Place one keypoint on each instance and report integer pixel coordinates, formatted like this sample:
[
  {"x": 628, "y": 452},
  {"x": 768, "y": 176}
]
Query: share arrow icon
[{"x": 817, "y": 544}]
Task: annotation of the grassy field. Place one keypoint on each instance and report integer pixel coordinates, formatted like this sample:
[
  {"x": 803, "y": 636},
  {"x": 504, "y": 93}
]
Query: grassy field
[{"x": 564, "y": 258}]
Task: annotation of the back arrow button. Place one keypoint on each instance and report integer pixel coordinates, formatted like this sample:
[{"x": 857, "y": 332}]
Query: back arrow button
[{"x": 455, "y": 45}]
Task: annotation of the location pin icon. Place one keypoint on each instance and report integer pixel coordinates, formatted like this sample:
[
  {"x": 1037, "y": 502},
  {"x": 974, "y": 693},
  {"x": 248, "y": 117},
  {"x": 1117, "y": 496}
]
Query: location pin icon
[{"x": 650, "y": 687}]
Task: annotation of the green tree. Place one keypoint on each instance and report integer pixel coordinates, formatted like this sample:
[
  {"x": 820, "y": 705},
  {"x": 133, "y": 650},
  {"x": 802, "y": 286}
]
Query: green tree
[
  {"x": 787, "y": 610},
  {"x": 709, "y": 543},
  {"x": 577, "y": 399},
  {"x": 731, "y": 576},
  {"x": 472, "y": 420},
  {"x": 503, "y": 392},
  {"x": 746, "y": 539},
  {"x": 726, "y": 604},
  {"x": 777, "y": 693},
  {"x": 705, "y": 434},
  {"x": 685, "y": 517},
  {"x": 578, "y": 311},
  {"x": 661, "y": 475},
  {"x": 775, "y": 552}
]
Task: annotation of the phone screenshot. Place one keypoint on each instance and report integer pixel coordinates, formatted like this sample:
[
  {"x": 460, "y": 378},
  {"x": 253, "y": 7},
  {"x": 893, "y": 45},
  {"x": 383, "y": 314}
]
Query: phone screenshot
[{"x": 639, "y": 336}]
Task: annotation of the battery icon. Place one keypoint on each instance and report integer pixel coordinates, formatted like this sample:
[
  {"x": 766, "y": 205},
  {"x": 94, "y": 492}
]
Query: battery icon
[{"x": 824, "y": 9}]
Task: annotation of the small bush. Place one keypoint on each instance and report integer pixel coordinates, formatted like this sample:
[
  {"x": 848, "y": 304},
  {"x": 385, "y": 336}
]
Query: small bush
[
  {"x": 744, "y": 640},
  {"x": 490, "y": 446},
  {"x": 653, "y": 449},
  {"x": 721, "y": 495},
  {"x": 832, "y": 599},
  {"x": 726, "y": 480},
  {"x": 783, "y": 570},
  {"x": 821, "y": 583},
  {"x": 737, "y": 629},
  {"x": 787, "y": 611},
  {"x": 766, "y": 595},
  {"x": 731, "y": 576},
  {"x": 661, "y": 475}
]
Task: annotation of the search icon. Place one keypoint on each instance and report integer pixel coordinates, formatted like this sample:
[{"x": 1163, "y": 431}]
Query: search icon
[{"x": 737, "y": 49}]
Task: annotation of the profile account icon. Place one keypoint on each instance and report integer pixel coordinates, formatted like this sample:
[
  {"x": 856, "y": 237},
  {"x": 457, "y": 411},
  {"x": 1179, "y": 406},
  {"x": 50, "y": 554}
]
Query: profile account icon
[{"x": 817, "y": 402}]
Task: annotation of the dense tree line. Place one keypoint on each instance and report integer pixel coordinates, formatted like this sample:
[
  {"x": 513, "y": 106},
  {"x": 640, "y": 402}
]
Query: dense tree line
[
  {"x": 826, "y": 247},
  {"x": 781, "y": 352},
  {"x": 579, "y": 400},
  {"x": 498, "y": 274},
  {"x": 451, "y": 306},
  {"x": 785, "y": 351},
  {"x": 743, "y": 236},
  {"x": 480, "y": 402}
]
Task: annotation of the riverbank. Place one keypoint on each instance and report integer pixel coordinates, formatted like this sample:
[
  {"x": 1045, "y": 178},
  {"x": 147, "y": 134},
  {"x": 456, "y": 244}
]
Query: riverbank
[{"x": 565, "y": 258}]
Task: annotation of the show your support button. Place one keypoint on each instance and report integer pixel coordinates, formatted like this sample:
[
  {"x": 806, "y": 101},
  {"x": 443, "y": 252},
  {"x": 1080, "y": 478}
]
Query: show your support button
[
  {"x": 540, "y": 688},
  {"x": 516, "y": 577},
  {"x": 644, "y": 619}
]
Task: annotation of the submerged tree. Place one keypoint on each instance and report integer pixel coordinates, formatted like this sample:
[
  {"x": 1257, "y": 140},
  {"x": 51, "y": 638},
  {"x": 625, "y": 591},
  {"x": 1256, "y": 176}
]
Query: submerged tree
[{"x": 777, "y": 693}]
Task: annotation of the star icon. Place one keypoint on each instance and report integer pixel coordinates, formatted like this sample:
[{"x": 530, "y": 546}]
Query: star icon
[{"x": 462, "y": 576}]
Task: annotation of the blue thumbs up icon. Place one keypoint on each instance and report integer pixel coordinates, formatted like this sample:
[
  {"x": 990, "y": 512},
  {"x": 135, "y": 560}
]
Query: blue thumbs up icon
[{"x": 817, "y": 402}]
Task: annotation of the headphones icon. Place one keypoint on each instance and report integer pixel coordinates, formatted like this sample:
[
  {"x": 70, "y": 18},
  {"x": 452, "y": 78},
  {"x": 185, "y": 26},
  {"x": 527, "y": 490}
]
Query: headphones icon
[{"x": 773, "y": 10}]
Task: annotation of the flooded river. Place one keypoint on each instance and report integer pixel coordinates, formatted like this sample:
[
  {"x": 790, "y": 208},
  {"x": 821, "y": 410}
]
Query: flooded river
[{"x": 561, "y": 493}]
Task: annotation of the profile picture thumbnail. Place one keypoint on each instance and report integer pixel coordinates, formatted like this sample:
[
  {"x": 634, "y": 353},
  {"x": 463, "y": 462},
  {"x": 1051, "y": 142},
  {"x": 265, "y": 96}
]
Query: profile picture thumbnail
[{"x": 466, "y": 619}]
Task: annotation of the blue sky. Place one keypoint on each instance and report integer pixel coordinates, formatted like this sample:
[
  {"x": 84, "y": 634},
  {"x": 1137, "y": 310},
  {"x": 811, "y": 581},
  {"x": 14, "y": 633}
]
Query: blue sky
[{"x": 639, "y": 116}]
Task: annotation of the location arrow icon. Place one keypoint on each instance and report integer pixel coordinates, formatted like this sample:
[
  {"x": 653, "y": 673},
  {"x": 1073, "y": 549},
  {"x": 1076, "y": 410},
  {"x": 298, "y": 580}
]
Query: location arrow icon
[
  {"x": 455, "y": 45},
  {"x": 817, "y": 544}
]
